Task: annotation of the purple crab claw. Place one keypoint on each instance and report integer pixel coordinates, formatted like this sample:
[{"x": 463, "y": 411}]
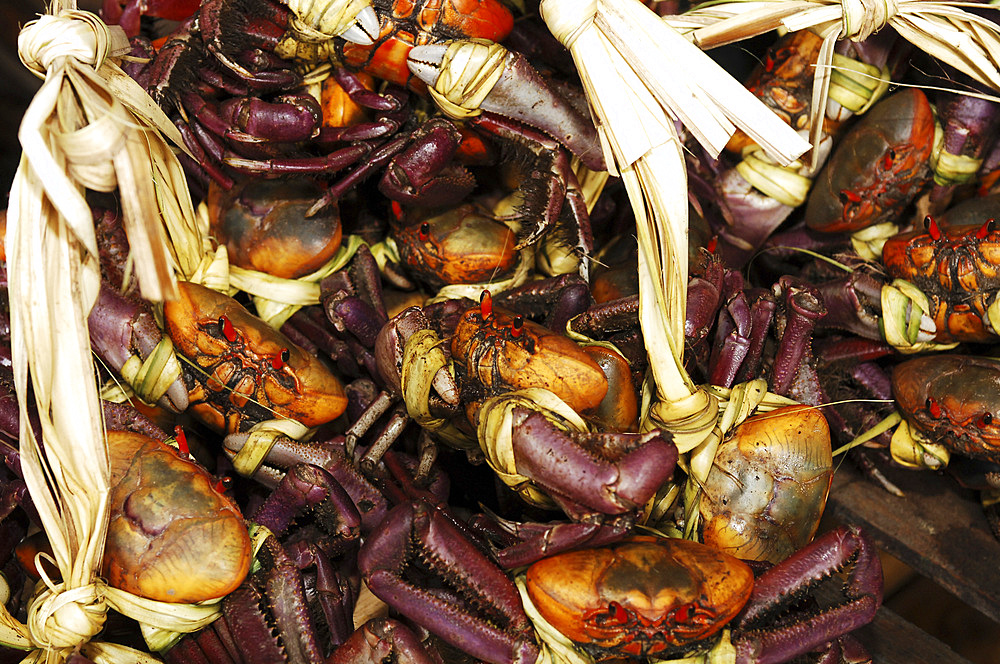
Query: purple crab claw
[{"x": 520, "y": 93}]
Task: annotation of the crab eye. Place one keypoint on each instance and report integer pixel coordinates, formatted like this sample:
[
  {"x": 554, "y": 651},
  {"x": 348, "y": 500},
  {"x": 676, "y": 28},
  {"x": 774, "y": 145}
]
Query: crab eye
[
  {"x": 932, "y": 228},
  {"x": 517, "y": 326},
  {"x": 985, "y": 420},
  {"x": 616, "y": 614},
  {"x": 888, "y": 159},
  {"x": 425, "y": 232},
  {"x": 847, "y": 196},
  {"x": 933, "y": 407},
  {"x": 228, "y": 331},
  {"x": 281, "y": 360},
  {"x": 986, "y": 229}
]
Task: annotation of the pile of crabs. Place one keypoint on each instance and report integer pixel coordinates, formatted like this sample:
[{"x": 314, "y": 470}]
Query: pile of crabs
[{"x": 437, "y": 455}]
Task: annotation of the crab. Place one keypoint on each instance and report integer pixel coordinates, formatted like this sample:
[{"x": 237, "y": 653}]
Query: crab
[{"x": 657, "y": 597}]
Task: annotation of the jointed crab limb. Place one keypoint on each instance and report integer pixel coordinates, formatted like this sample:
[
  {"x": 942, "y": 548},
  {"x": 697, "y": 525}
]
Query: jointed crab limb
[
  {"x": 382, "y": 640},
  {"x": 419, "y": 531},
  {"x": 519, "y": 93},
  {"x": 286, "y": 452},
  {"x": 309, "y": 487},
  {"x": 803, "y": 307},
  {"x": 833, "y": 552},
  {"x": 608, "y": 473}
]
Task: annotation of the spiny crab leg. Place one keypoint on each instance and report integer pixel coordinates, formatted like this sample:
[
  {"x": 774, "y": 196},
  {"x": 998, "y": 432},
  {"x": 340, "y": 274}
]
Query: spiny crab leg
[
  {"x": 833, "y": 552},
  {"x": 419, "y": 527}
]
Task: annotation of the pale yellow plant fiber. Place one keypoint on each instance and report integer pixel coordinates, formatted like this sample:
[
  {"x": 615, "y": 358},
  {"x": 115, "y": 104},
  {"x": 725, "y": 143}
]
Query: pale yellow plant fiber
[
  {"x": 944, "y": 30},
  {"x": 640, "y": 76},
  {"x": 89, "y": 127}
]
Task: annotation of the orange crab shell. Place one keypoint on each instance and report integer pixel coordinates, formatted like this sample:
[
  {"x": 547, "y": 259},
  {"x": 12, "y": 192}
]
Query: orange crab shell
[
  {"x": 963, "y": 259},
  {"x": 316, "y": 396},
  {"x": 171, "y": 536},
  {"x": 641, "y": 596},
  {"x": 537, "y": 358}
]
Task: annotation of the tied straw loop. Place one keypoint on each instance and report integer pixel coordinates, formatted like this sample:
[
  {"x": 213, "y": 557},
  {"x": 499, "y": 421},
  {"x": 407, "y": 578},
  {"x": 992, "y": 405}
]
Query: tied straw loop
[
  {"x": 863, "y": 18},
  {"x": 570, "y": 20},
  {"x": 70, "y": 34},
  {"x": 60, "y": 617}
]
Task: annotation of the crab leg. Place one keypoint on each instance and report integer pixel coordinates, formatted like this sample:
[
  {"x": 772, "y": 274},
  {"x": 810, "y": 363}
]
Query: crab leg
[
  {"x": 417, "y": 526},
  {"x": 612, "y": 473},
  {"x": 827, "y": 555}
]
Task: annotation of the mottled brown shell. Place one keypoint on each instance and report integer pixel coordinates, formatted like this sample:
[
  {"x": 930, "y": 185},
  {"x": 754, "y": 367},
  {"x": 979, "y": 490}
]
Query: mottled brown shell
[
  {"x": 241, "y": 375},
  {"x": 489, "y": 353},
  {"x": 460, "y": 246},
  {"x": 877, "y": 169},
  {"x": 264, "y": 226},
  {"x": 643, "y": 596},
  {"x": 954, "y": 399},
  {"x": 765, "y": 494},
  {"x": 171, "y": 536}
]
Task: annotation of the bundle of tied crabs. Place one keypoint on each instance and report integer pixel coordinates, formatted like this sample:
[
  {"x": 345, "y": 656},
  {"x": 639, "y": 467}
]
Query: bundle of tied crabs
[{"x": 454, "y": 428}]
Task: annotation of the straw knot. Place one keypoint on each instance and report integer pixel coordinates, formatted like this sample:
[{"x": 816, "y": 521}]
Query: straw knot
[
  {"x": 59, "y": 618},
  {"x": 862, "y": 18},
  {"x": 70, "y": 34},
  {"x": 568, "y": 20}
]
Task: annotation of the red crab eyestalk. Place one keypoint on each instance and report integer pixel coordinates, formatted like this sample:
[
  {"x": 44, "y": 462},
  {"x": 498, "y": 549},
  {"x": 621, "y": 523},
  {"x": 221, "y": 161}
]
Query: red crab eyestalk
[
  {"x": 234, "y": 350},
  {"x": 878, "y": 167},
  {"x": 467, "y": 77},
  {"x": 477, "y": 609}
]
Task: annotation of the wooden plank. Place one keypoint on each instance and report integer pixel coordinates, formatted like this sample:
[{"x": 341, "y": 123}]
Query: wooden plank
[
  {"x": 892, "y": 640},
  {"x": 937, "y": 528}
]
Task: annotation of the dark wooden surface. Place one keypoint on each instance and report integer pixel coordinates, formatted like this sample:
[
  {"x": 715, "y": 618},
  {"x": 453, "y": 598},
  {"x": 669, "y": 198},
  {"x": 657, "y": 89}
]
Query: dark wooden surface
[
  {"x": 938, "y": 529},
  {"x": 893, "y": 640}
]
